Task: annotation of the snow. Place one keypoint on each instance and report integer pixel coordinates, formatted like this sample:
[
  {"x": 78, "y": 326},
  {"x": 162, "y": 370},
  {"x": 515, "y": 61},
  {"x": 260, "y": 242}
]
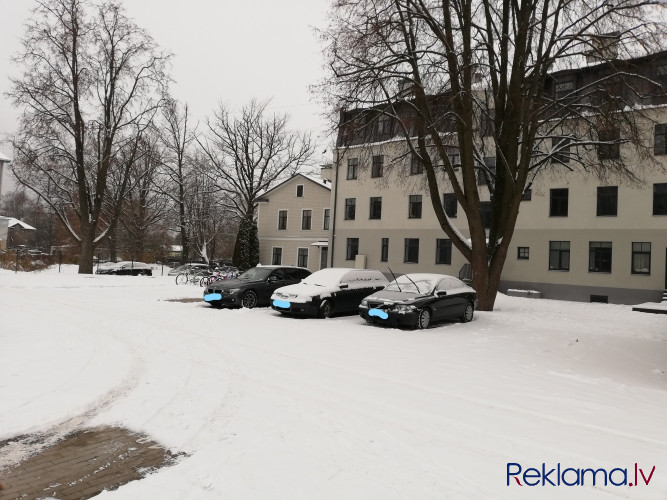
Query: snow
[{"x": 267, "y": 406}]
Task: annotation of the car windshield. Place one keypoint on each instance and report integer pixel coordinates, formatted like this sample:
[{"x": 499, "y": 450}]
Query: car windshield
[
  {"x": 418, "y": 285},
  {"x": 255, "y": 274}
]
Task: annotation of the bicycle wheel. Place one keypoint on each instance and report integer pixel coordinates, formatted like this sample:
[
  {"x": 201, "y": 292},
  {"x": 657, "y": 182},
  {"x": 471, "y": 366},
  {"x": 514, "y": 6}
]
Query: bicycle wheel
[{"x": 181, "y": 279}]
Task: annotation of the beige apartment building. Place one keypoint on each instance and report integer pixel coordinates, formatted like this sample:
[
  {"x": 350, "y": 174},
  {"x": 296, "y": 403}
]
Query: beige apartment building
[
  {"x": 293, "y": 222},
  {"x": 576, "y": 238}
]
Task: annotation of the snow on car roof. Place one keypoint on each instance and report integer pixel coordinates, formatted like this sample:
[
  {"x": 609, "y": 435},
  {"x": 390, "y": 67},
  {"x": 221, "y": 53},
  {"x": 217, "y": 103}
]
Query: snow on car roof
[{"x": 333, "y": 275}]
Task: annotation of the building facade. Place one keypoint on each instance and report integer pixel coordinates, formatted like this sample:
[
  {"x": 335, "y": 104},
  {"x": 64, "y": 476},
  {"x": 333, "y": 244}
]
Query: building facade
[
  {"x": 577, "y": 237},
  {"x": 293, "y": 223}
]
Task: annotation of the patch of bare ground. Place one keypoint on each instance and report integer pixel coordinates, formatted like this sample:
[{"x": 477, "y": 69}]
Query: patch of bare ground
[
  {"x": 185, "y": 300},
  {"x": 83, "y": 464}
]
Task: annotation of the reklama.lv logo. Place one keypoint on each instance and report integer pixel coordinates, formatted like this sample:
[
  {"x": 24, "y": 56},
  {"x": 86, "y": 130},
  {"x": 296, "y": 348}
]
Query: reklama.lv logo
[{"x": 571, "y": 476}]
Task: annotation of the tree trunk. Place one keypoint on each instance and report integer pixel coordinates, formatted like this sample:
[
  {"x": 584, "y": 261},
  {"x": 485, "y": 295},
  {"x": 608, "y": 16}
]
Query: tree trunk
[{"x": 86, "y": 254}]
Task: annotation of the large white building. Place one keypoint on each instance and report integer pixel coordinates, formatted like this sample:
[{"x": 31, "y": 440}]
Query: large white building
[{"x": 576, "y": 238}]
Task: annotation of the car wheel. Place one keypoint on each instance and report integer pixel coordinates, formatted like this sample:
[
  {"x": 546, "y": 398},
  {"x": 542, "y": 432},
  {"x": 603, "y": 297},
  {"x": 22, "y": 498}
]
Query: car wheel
[
  {"x": 326, "y": 309},
  {"x": 467, "y": 314},
  {"x": 424, "y": 319},
  {"x": 249, "y": 299},
  {"x": 181, "y": 279}
]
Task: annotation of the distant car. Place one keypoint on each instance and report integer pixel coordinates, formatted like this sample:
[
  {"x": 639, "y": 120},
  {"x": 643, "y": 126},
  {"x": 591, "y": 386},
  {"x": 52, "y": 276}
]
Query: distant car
[
  {"x": 199, "y": 266},
  {"x": 126, "y": 268},
  {"x": 328, "y": 291},
  {"x": 254, "y": 287},
  {"x": 417, "y": 300}
]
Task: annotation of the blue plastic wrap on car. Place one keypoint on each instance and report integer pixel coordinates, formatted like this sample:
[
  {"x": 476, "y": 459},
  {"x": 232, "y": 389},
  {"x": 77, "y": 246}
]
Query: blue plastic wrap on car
[
  {"x": 210, "y": 297},
  {"x": 281, "y": 303},
  {"x": 379, "y": 313}
]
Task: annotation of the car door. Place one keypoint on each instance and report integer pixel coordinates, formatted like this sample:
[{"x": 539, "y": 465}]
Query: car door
[
  {"x": 452, "y": 304},
  {"x": 278, "y": 278},
  {"x": 440, "y": 304}
]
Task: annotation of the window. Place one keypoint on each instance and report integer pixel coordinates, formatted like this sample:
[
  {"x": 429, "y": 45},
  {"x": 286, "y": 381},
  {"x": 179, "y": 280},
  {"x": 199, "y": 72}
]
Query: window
[
  {"x": 527, "y": 195},
  {"x": 490, "y": 162},
  {"x": 302, "y": 257},
  {"x": 559, "y": 255},
  {"x": 299, "y": 191},
  {"x": 277, "y": 256},
  {"x": 563, "y": 89},
  {"x": 560, "y": 147},
  {"x": 306, "y": 219},
  {"x": 352, "y": 248},
  {"x": 376, "y": 208},
  {"x": 660, "y": 140},
  {"x": 599, "y": 257},
  {"x": 384, "y": 127},
  {"x": 352, "y": 166},
  {"x": 384, "y": 250},
  {"x": 558, "y": 202},
  {"x": 325, "y": 223},
  {"x": 607, "y": 200},
  {"x": 454, "y": 159},
  {"x": 487, "y": 125},
  {"x": 523, "y": 253},
  {"x": 443, "y": 251},
  {"x": 416, "y": 166},
  {"x": 611, "y": 148},
  {"x": 641, "y": 257},
  {"x": 411, "y": 254},
  {"x": 415, "y": 206},
  {"x": 377, "y": 167},
  {"x": 486, "y": 208},
  {"x": 350, "y": 208},
  {"x": 282, "y": 219},
  {"x": 450, "y": 204},
  {"x": 659, "y": 199}
]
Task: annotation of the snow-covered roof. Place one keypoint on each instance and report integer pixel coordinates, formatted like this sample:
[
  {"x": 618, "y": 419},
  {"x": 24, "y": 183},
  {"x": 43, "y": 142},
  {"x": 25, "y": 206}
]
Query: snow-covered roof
[
  {"x": 317, "y": 180},
  {"x": 3, "y": 158},
  {"x": 15, "y": 222}
]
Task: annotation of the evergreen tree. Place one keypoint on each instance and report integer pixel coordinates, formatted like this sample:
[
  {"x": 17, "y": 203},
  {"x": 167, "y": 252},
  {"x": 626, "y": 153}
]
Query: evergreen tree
[{"x": 246, "y": 250}]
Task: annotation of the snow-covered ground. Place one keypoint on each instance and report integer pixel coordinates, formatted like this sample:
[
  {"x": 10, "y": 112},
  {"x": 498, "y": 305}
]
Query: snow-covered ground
[{"x": 267, "y": 406}]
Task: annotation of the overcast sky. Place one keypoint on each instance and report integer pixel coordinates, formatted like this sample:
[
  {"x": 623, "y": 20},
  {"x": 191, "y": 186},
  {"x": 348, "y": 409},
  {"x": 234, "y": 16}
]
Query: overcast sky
[{"x": 224, "y": 50}]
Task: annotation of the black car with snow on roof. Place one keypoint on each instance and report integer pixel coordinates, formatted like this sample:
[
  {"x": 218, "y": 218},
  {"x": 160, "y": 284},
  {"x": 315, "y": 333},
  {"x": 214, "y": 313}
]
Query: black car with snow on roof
[
  {"x": 254, "y": 287},
  {"x": 416, "y": 300},
  {"x": 328, "y": 291}
]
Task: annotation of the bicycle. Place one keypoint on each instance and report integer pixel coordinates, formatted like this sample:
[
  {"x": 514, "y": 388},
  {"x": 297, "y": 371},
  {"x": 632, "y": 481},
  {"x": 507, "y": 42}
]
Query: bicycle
[{"x": 192, "y": 277}]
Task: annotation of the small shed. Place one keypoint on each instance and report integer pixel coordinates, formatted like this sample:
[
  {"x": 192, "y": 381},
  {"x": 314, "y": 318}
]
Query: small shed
[{"x": 15, "y": 232}]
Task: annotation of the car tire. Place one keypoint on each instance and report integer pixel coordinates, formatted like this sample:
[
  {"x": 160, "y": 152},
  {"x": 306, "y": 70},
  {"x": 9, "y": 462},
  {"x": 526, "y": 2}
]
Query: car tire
[
  {"x": 326, "y": 309},
  {"x": 249, "y": 299},
  {"x": 468, "y": 313},
  {"x": 424, "y": 319},
  {"x": 181, "y": 279}
]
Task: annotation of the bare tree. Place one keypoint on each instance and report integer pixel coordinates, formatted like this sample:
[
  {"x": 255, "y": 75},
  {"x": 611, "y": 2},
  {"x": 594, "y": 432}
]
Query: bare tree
[
  {"x": 251, "y": 152},
  {"x": 177, "y": 138},
  {"x": 91, "y": 84},
  {"x": 481, "y": 78}
]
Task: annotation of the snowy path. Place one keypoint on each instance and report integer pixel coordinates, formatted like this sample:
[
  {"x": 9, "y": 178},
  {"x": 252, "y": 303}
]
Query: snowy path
[{"x": 276, "y": 407}]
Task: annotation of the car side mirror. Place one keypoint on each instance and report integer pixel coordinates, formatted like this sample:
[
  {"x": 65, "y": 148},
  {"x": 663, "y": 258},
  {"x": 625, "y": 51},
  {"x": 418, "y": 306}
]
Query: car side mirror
[
  {"x": 343, "y": 286},
  {"x": 272, "y": 279},
  {"x": 440, "y": 293}
]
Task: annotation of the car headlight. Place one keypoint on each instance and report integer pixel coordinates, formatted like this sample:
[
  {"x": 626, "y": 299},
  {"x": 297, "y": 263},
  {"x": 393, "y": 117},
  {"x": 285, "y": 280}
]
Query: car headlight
[
  {"x": 364, "y": 303},
  {"x": 402, "y": 308},
  {"x": 234, "y": 290}
]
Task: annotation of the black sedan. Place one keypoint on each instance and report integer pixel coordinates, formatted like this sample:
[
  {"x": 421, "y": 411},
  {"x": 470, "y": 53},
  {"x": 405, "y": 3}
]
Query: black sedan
[
  {"x": 417, "y": 300},
  {"x": 254, "y": 287},
  {"x": 126, "y": 268}
]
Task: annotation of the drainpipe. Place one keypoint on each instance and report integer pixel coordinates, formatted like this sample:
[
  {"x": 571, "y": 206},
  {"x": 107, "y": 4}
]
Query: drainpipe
[{"x": 335, "y": 196}]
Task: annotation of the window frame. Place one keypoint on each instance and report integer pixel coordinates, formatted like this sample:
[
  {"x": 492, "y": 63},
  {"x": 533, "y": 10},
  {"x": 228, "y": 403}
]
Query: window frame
[
  {"x": 299, "y": 256},
  {"x": 414, "y": 201},
  {"x": 443, "y": 251},
  {"x": 279, "y": 254},
  {"x": 609, "y": 151},
  {"x": 660, "y": 198},
  {"x": 352, "y": 244},
  {"x": 299, "y": 192},
  {"x": 605, "y": 201},
  {"x": 660, "y": 146},
  {"x": 377, "y": 206},
  {"x": 281, "y": 219},
  {"x": 597, "y": 253},
  {"x": 523, "y": 253},
  {"x": 639, "y": 253},
  {"x": 306, "y": 220},
  {"x": 416, "y": 166},
  {"x": 452, "y": 198},
  {"x": 350, "y": 211},
  {"x": 411, "y": 245},
  {"x": 384, "y": 250},
  {"x": 556, "y": 203},
  {"x": 326, "y": 219},
  {"x": 377, "y": 166},
  {"x": 561, "y": 253},
  {"x": 352, "y": 168}
]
